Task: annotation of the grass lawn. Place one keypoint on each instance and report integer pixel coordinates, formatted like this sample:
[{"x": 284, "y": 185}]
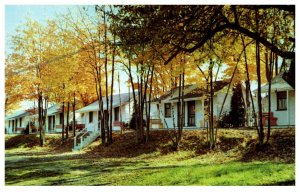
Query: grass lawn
[{"x": 234, "y": 162}]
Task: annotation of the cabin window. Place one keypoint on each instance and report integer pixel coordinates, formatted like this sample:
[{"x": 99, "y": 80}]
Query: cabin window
[
  {"x": 117, "y": 113},
  {"x": 16, "y": 123},
  {"x": 90, "y": 116},
  {"x": 61, "y": 117},
  {"x": 281, "y": 101},
  {"x": 21, "y": 122},
  {"x": 167, "y": 109}
]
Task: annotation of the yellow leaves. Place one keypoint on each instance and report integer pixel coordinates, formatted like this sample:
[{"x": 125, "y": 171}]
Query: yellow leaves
[
  {"x": 32, "y": 59},
  {"x": 136, "y": 86}
]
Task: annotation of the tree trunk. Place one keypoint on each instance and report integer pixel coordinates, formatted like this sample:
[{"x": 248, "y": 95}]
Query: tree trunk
[
  {"x": 100, "y": 120},
  {"x": 120, "y": 103},
  {"x": 40, "y": 119},
  {"x": 145, "y": 106},
  {"x": 140, "y": 114},
  {"x": 74, "y": 123},
  {"x": 220, "y": 113},
  {"x": 137, "y": 114},
  {"x": 179, "y": 112},
  {"x": 101, "y": 114},
  {"x": 100, "y": 105},
  {"x": 111, "y": 91},
  {"x": 67, "y": 127},
  {"x": 182, "y": 108},
  {"x": 261, "y": 128},
  {"x": 271, "y": 64},
  {"x": 276, "y": 64},
  {"x": 44, "y": 120},
  {"x": 134, "y": 97},
  {"x": 248, "y": 79},
  {"x": 63, "y": 123},
  {"x": 149, "y": 104},
  {"x": 212, "y": 141},
  {"x": 106, "y": 119}
]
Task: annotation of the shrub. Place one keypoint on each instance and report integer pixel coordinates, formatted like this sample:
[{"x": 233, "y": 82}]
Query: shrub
[
  {"x": 225, "y": 120},
  {"x": 132, "y": 123}
]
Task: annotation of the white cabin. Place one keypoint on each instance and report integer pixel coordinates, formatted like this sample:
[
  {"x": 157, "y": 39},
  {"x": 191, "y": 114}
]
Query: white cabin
[
  {"x": 194, "y": 103},
  {"x": 122, "y": 110},
  {"x": 19, "y": 120},
  {"x": 282, "y": 102}
]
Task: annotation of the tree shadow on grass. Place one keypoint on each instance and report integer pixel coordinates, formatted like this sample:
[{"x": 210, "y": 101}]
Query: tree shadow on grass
[
  {"x": 18, "y": 141},
  {"x": 280, "y": 147},
  {"x": 282, "y": 183},
  {"x": 42, "y": 168},
  {"x": 34, "y": 174}
]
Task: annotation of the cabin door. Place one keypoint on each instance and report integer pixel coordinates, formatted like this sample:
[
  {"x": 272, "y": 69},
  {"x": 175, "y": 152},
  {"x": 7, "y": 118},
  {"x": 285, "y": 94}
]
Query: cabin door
[
  {"x": 191, "y": 113},
  {"x": 49, "y": 123},
  {"x": 13, "y": 125},
  {"x": 106, "y": 116}
]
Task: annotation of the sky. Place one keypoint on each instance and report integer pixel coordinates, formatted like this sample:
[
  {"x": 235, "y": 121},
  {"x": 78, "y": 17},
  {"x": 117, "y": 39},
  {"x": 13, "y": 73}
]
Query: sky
[{"x": 15, "y": 16}]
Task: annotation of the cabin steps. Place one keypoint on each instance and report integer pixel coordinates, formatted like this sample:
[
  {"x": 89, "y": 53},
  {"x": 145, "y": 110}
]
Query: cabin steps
[{"x": 85, "y": 139}]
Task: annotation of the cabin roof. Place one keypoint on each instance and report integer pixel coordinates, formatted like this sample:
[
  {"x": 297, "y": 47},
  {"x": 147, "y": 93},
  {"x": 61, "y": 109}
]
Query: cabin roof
[
  {"x": 280, "y": 82},
  {"x": 191, "y": 91},
  {"x": 54, "y": 109},
  {"x": 125, "y": 98},
  {"x": 19, "y": 114}
]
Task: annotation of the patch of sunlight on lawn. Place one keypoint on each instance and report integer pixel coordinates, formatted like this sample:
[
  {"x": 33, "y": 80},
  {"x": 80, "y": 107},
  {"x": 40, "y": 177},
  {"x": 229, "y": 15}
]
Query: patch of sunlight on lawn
[
  {"x": 78, "y": 172},
  {"x": 255, "y": 173}
]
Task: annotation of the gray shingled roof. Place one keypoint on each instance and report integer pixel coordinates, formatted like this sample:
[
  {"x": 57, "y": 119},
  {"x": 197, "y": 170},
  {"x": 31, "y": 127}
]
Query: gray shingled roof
[
  {"x": 174, "y": 91},
  {"x": 17, "y": 114},
  {"x": 125, "y": 98},
  {"x": 199, "y": 92},
  {"x": 53, "y": 109},
  {"x": 192, "y": 91},
  {"x": 278, "y": 83}
]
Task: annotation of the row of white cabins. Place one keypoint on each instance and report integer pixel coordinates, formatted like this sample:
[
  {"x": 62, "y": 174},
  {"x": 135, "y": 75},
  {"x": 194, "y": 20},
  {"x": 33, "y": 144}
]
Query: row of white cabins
[{"x": 162, "y": 114}]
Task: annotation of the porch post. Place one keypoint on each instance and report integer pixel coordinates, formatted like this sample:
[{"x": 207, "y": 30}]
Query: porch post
[
  {"x": 203, "y": 111},
  {"x": 184, "y": 114},
  {"x": 47, "y": 123},
  {"x": 288, "y": 106}
]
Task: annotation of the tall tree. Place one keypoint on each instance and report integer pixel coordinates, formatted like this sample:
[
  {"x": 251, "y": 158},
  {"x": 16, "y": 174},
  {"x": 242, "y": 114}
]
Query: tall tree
[
  {"x": 237, "y": 113},
  {"x": 261, "y": 129},
  {"x": 33, "y": 46},
  {"x": 191, "y": 28}
]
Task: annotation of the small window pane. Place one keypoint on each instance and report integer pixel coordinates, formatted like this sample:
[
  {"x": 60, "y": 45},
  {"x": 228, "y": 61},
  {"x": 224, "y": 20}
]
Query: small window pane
[
  {"x": 167, "y": 109},
  {"x": 281, "y": 100}
]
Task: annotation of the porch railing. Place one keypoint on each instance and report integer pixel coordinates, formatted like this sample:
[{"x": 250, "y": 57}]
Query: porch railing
[{"x": 84, "y": 133}]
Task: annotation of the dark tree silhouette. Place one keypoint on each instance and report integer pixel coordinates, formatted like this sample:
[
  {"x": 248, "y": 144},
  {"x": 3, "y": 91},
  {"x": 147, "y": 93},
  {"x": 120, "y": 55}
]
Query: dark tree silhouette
[{"x": 237, "y": 113}]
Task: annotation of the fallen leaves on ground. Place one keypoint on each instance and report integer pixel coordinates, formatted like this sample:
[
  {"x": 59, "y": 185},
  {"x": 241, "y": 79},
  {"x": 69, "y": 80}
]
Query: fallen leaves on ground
[{"x": 232, "y": 143}]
